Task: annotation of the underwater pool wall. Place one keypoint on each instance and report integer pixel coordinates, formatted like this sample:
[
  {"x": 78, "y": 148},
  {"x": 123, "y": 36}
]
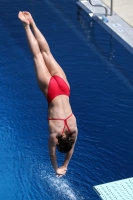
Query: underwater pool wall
[
  {"x": 124, "y": 8},
  {"x": 114, "y": 24}
]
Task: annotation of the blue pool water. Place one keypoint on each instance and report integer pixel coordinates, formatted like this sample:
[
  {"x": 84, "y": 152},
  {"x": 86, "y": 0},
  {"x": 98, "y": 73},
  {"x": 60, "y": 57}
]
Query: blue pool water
[{"x": 100, "y": 73}]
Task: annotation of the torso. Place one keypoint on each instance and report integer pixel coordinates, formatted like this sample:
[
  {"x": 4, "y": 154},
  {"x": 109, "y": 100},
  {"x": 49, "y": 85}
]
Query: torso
[{"x": 60, "y": 108}]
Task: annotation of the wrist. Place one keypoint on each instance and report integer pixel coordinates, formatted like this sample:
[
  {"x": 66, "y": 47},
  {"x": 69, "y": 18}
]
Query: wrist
[
  {"x": 55, "y": 169},
  {"x": 32, "y": 24},
  {"x": 65, "y": 166}
]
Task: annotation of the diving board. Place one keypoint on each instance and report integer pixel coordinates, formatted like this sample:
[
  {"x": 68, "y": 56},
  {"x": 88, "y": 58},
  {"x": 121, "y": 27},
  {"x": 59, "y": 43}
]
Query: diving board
[{"x": 117, "y": 190}]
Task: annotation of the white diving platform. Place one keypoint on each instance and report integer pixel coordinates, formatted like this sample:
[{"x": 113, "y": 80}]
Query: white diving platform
[
  {"x": 116, "y": 26},
  {"x": 117, "y": 190}
]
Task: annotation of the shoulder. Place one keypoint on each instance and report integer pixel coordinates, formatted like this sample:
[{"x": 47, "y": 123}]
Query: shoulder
[
  {"x": 53, "y": 139},
  {"x": 74, "y": 134}
]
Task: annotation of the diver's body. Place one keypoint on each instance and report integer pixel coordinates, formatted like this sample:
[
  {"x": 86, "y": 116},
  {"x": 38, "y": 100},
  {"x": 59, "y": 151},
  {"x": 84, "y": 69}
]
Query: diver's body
[{"x": 55, "y": 87}]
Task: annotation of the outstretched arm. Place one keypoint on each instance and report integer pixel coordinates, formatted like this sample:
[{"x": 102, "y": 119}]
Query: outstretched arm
[
  {"x": 67, "y": 159},
  {"x": 70, "y": 153},
  {"x": 52, "y": 152}
]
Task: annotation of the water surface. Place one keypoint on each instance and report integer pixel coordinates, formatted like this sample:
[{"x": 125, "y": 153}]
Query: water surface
[{"x": 101, "y": 98}]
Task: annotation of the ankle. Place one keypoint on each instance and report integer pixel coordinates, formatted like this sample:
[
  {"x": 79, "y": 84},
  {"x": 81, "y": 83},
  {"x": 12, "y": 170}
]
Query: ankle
[
  {"x": 32, "y": 24},
  {"x": 26, "y": 26}
]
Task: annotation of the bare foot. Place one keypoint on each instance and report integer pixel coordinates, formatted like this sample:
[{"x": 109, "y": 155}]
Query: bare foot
[
  {"x": 28, "y": 17},
  {"x": 23, "y": 19}
]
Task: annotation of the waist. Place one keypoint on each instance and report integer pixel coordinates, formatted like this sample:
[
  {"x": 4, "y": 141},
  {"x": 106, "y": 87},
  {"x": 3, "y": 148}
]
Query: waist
[
  {"x": 60, "y": 102},
  {"x": 59, "y": 109},
  {"x": 61, "y": 118}
]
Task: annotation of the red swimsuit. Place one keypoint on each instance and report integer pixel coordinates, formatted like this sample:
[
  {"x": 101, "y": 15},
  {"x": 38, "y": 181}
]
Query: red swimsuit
[{"x": 57, "y": 86}]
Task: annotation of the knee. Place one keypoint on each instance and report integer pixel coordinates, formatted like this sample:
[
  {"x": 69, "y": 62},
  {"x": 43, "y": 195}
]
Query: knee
[{"x": 37, "y": 56}]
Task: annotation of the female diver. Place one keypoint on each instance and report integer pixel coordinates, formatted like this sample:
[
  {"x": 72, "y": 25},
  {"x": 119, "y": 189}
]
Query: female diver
[{"x": 55, "y": 87}]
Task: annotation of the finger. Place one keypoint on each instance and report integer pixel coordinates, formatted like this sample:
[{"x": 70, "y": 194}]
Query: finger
[{"x": 59, "y": 176}]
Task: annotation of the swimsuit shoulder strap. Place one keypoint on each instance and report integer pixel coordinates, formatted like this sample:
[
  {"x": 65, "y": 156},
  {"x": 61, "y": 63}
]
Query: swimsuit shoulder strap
[
  {"x": 65, "y": 122},
  {"x": 66, "y": 125}
]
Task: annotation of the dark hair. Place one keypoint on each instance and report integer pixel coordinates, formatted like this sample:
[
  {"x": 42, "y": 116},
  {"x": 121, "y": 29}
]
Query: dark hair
[{"x": 65, "y": 143}]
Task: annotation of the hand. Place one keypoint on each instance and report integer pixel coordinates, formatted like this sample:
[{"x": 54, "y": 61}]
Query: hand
[{"x": 61, "y": 171}]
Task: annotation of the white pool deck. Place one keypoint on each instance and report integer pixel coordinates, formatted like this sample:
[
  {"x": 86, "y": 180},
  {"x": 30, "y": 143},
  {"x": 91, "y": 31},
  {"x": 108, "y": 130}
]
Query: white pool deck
[
  {"x": 116, "y": 26},
  {"x": 124, "y": 8},
  {"x": 117, "y": 190}
]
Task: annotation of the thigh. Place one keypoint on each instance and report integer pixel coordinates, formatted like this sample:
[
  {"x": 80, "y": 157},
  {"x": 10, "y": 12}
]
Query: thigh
[
  {"x": 53, "y": 67},
  {"x": 42, "y": 73}
]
